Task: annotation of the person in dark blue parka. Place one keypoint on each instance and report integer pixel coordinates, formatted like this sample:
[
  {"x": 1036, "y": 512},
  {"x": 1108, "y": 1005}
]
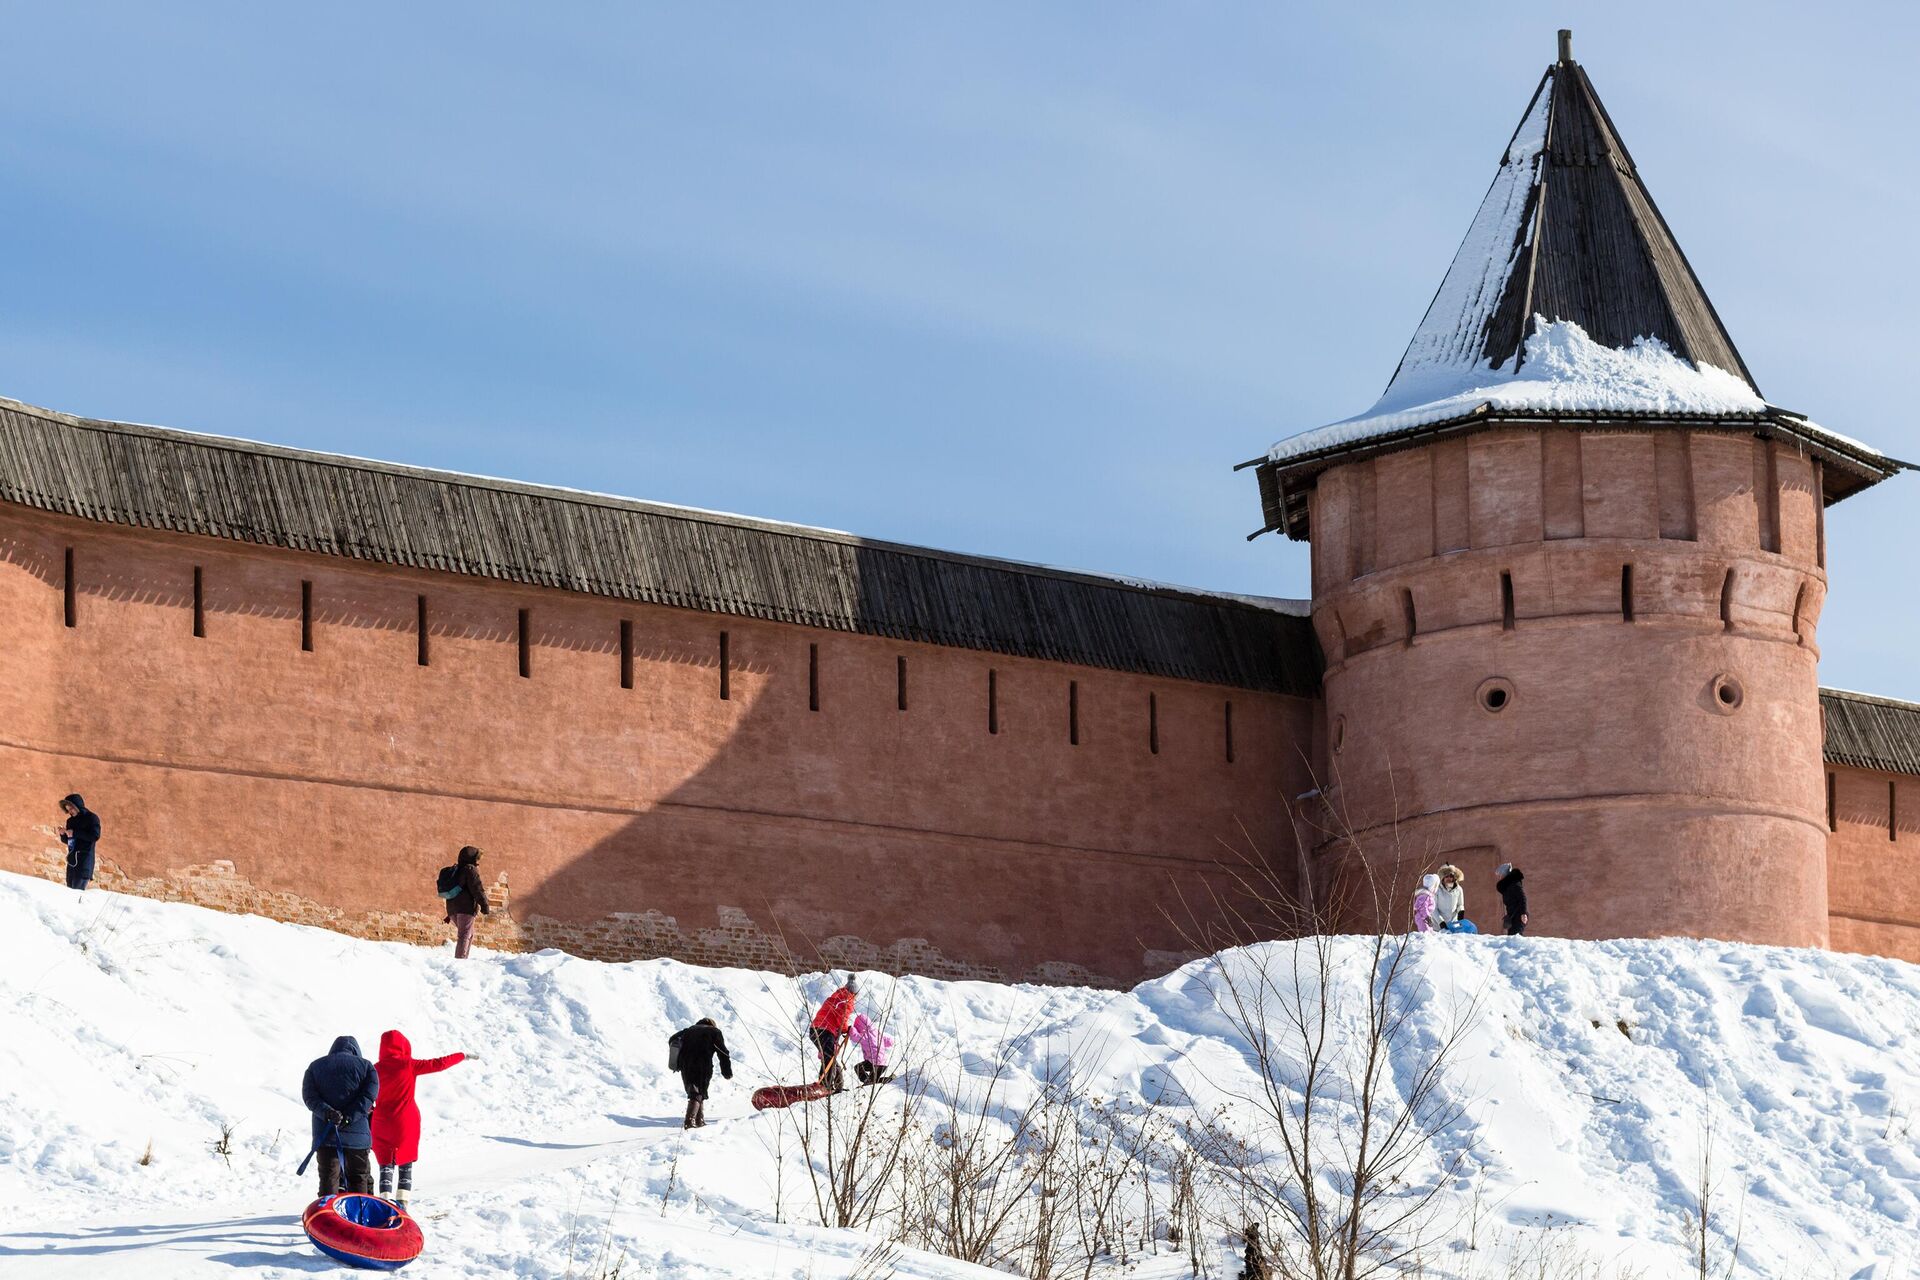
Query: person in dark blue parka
[
  {"x": 340, "y": 1089},
  {"x": 80, "y": 835}
]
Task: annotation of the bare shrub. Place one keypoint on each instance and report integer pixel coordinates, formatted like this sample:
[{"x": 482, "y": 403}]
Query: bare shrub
[{"x": 1345, "y": 1140}]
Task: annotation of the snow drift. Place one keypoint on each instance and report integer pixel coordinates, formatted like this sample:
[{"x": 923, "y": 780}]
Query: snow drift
[{"x": 136, "y": 1034}]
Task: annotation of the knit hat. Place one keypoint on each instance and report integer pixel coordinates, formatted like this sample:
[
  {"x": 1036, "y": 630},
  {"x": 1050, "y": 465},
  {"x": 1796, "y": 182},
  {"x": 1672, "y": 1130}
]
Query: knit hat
[
  {"x": 1500, "y": 872},
  {"x": 851, "y": 984},
  {"x": 1430, "y": 882}
]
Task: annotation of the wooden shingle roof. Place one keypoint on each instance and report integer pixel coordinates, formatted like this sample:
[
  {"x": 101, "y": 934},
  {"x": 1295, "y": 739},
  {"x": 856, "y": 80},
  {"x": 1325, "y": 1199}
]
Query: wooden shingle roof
[
  {"x": 1569, "y": 235},
  {"x": 212, "y": 486},
  {"x": 1871, "y": 733}
]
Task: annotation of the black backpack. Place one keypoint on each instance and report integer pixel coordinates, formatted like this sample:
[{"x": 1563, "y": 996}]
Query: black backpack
[
  {"x": 447, "y": 883},
  {"x": 673, "y": 1050}
]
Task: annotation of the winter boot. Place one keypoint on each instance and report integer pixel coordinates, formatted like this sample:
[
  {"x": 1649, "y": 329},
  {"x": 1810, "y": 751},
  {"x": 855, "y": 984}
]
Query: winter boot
[
  {"x": 700, "y": 1113},
  {"x": 693, "y": 1114},
  {"x": 400, "y": 1196}
]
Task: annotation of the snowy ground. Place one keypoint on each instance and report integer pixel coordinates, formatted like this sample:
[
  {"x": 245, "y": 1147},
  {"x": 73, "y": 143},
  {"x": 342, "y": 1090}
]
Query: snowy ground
[{"x": 132, "y": 1033}]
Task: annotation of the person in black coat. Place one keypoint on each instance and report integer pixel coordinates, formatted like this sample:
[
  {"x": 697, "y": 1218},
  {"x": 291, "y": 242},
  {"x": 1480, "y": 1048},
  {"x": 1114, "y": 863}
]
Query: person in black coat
[
  {"x": 339, "y": 1090},
  {"x": 468, "y": 903},
  {"x": 699, "y": 1045},
  {"x": 1513, "y": 895},
  {"x": 80, "y": 835}
]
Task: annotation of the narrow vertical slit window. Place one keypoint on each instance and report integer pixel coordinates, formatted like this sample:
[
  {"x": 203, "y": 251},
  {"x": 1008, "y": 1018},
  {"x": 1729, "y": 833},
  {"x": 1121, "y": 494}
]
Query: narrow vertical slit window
[
  {"x": 1626, "y": 593},
  {"x": 726, "y": 669},
  {"x": 1506, "y": 600},
  {"x": 813, "y": 677},
  {"x": 306, "y": 616},
  {"x": 1153, "y": 723},
  {"x": 199, "y": 605},
  {"x": 526, "y": 644},
  {"x": 626, "y": 653},
  {"x": 1799, "y": 601},
  {"x": 1893, "y": 812},
  {"x": 1073, "y": 713},
  {"x": 993, "y": 701},
  {"x": 1833, "y": 812},
  {"x": 68, "y": 600},
  {"x": 1406, "y": 606},
  {"x": 900, "y": 682},
  {"x": 1819, "y": 516},
  {"x": 1229, "y": 731},
  {"x": 1726, "y": 601},
  {"x": 420, "y": 630}
]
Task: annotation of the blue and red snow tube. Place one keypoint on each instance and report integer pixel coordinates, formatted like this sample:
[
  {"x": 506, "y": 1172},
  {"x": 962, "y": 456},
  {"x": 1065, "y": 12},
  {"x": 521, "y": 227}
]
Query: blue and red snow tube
[{"x": 363, "y": 1231}]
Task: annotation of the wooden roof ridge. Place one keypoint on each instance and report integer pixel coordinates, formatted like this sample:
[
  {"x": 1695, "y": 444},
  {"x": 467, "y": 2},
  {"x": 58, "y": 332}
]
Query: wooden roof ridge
[
  {"x": 625, "y": 548},
  {"x": 1867, "y": 731}
]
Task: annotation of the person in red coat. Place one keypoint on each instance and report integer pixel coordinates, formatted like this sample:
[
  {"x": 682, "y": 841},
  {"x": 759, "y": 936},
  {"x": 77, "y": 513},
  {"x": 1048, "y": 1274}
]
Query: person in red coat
[
  {"x": 396, "y": 1116},
  {"x": 830, "y": 1029}
]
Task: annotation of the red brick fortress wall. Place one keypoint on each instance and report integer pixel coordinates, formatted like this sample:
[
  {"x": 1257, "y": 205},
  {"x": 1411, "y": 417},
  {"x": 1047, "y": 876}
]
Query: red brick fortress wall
[
  {"x": 1873, "y": 862},
  {"x": 1590, "y": 653},
  {"x": 804, "y": 813}
]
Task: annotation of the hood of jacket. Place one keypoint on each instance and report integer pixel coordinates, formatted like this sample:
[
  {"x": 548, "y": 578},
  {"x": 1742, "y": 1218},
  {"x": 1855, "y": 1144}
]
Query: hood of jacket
[
  {"x": 1514, "y": 876},
  {"x": 394, "y": 1046},
  {"x": 1459, "y": 876},
  {"x": 75, "y": 801},
  {"x": 346, "y": 1044}
]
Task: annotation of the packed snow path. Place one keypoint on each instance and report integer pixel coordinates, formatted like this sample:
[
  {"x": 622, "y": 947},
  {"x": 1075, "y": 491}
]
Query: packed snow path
[{"x": 133, "y": 1034}]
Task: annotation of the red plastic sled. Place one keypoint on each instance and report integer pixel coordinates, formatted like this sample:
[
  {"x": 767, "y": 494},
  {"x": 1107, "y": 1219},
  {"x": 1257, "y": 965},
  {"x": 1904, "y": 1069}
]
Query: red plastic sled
[
  {"x": 785, "y": 1095},
  {"x": 363, "y": 1231}
]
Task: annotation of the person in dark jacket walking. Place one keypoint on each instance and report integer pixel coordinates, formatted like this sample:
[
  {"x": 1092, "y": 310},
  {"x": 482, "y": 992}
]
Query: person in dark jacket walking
[
  {"x": 1513, "y": 895},
  {"x": 340, "y": 1090},
  {"x": 699, "y": 1045},
  {"x": 80, "y": 835},
  {"x": 468, "y": 903}
]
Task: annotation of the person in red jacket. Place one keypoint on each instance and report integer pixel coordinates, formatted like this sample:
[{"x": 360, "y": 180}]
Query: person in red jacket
[
  {"x": 396, "y": 1116},
  {"x": 830, "y": 1028}
]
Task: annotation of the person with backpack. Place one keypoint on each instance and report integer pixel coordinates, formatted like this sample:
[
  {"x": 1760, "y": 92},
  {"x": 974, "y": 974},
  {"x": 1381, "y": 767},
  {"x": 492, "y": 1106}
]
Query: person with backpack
[
  {"x": 340, "y": 1089},
  {"x": 1513, "y": 896},
  {"x": 80, "y": 834},
  {"x": 395, "y": 1123},
  {"x": 691, "y": 1052},
  {"x": 872, "y": 1068},
  {"x": 830, "y": 1026},
  {"x": 466, "y": 898}
]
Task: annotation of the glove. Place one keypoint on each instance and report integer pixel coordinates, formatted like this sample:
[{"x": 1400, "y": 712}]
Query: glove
[{"x": 333, "y": 1118}]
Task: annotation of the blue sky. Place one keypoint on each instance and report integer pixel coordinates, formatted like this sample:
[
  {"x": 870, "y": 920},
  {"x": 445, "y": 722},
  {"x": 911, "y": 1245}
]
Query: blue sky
[{"x": 1023, "y": 280}]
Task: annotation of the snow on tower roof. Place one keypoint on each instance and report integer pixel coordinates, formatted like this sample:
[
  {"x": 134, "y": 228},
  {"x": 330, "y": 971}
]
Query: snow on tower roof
[{"x": 1569, "y": 298}]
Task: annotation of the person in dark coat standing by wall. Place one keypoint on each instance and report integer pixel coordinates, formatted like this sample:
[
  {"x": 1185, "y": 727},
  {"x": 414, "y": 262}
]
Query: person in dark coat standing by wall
[
  {"x": 697, "y": 1047},
  {"x": 340, "y": 1090},
  {"x": 469, "y": 903},
  {"x": 80, "y": 835},
  {"x": 1513, "y": 895}
]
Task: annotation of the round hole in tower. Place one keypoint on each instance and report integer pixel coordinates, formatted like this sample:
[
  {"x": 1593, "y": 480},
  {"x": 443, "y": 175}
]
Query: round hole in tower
[
  {"x": 1727, "y": 694},
  {"x": 1495, "y": 694}
]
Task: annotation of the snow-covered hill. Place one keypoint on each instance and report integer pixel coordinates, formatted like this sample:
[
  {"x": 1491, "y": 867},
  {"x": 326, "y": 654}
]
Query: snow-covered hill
[{"x": 133, "y": 1034}]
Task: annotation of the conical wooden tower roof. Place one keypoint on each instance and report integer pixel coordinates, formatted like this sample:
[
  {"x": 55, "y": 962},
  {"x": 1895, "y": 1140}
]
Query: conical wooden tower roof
[
  {"x": 1568, "y": 231},
  {"x": 1568, "y": 302}
]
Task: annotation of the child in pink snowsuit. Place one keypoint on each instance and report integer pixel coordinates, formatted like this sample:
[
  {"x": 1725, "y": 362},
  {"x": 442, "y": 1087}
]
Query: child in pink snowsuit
[
  {"x": 1423, "y": 903},
  {"x": 873, "y": 1048}
]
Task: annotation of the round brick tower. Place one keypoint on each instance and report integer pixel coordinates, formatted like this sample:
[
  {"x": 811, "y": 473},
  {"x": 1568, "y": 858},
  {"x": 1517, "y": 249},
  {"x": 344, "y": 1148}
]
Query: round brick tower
[{"x": 1566, "y": 576}]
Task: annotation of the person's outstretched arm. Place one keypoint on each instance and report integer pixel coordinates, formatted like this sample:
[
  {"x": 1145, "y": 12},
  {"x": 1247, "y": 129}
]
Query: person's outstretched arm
[{"x": 427, "y": 1066}]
